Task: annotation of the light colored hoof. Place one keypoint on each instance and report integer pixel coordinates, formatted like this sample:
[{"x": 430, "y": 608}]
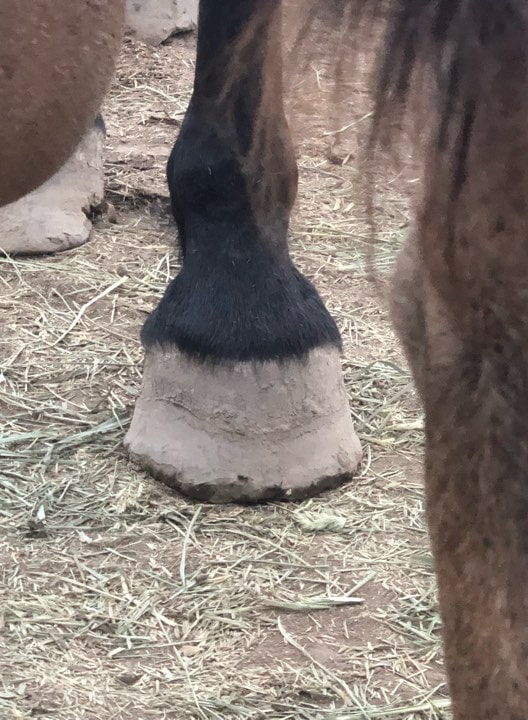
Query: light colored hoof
[
  {"x": 53, "y": 218},
  {"x": 153, "y": 21},
  {"x": 244, "y": 431}
]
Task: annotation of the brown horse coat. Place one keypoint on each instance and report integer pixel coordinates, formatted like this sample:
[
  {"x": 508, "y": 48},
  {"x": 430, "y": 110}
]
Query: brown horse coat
[{"x": 56, "y": 60}]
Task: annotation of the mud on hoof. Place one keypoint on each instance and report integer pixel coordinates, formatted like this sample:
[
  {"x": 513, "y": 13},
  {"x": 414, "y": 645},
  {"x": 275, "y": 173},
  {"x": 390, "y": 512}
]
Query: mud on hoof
[{"x": 244, "y": 431}]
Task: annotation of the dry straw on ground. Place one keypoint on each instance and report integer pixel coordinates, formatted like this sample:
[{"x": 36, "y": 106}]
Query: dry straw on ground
[{"x": 119, "y": 599}]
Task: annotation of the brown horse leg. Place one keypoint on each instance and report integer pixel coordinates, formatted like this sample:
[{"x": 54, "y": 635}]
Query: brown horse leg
[
  {"x": 471, "y": 260},
  {"x": 56, "y": 59},
  {"x": 475, "y": 250},
  {"x": 243, "y": 397},
  {"x": 472, "y": 516},
  {"x": 477, "y": 510}
]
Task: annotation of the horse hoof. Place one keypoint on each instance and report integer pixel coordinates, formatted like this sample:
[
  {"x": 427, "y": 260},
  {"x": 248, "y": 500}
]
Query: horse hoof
[
  {"x": 244, "y": 431},
  {"x": 53, "y": 218},
  {"x": 154, "y": 21}
]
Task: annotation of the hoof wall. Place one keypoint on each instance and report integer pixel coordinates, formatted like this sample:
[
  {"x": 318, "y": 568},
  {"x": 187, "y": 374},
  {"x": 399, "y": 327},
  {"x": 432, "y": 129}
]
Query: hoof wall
[{"x": 244, "y": 432}]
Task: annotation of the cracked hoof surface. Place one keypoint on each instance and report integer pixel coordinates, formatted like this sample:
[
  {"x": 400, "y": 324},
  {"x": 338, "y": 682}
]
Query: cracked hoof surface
[
  {"x": 53, "y": 218},
  {"x": 245, "y": 431}
]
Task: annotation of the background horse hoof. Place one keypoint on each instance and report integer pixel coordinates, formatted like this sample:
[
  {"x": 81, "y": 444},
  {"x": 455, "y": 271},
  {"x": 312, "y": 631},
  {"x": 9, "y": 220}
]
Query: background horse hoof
[
  {"x": 153, "y": 21},
  {"x": 244, "y": 431},
  {"x": 54, "y": 217}
]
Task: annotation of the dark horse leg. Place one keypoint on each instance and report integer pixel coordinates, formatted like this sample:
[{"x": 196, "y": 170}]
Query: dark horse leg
[{"x": 242, "y": 397}]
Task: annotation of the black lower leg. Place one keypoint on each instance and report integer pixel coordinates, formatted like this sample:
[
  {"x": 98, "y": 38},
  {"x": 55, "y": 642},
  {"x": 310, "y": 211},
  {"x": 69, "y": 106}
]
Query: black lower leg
[{"x": 233, "y": 178}]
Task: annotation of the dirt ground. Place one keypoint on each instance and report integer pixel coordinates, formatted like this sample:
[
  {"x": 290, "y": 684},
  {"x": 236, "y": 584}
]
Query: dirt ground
[{"x": 120, "y": 600}]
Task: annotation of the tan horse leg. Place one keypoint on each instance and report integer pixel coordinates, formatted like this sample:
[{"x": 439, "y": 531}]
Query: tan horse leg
[{"x": 56, "y": 59}]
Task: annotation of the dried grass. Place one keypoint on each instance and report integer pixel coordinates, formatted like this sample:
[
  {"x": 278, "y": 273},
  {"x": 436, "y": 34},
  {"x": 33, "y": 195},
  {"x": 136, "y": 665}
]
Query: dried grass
[{"x": 120, "y": 599}]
